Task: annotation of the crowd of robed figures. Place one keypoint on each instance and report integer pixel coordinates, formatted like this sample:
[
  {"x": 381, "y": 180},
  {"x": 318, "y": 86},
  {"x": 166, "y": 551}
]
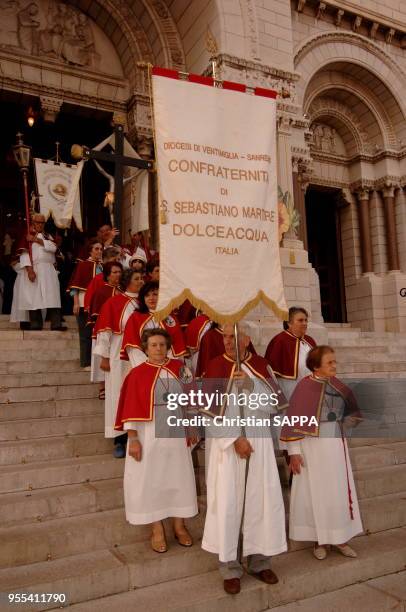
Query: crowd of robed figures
[{"x": 137, "y": 361}]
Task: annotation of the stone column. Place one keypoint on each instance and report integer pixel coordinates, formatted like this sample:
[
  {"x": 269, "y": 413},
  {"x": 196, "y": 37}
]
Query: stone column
[
  {"x": 388, "y": 194},
  {"x": 365, "y": 231},
  {"x": 299, "y": 190},
  {"x": 285, "y": 181}
]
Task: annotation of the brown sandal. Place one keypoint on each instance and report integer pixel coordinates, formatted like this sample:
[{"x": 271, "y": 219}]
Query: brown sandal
[
  {"x": 184, "y": 538},
  {"x": 159, "y": 546}
]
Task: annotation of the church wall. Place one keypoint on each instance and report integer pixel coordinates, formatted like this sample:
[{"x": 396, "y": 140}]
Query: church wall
[{"x": 275, "y": 33}]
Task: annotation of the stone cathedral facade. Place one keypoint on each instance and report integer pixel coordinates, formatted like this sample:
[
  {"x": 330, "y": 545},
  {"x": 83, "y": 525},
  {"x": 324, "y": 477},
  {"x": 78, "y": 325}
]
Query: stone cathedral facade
[{"x": 339, "y": 68}]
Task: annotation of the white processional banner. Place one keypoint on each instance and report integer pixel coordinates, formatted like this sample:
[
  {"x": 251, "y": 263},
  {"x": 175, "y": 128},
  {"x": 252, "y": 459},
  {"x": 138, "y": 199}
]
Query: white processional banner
[
  {"x": 217, "y": 176},
  {"x": 59, "y": 191}
]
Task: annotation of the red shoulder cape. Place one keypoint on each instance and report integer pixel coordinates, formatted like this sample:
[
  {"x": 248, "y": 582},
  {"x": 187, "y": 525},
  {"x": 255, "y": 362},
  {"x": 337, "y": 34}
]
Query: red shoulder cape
[
  {"x": 307, "y": 400},
  {"x": 82, "y": 275},
  {"x": 135, "y": 327},
  {"x": 194, "y": 332},
  {"x": 137, "y": 393},
  {"x": 221, "y": 369},
  {"x": 111, "y": 314},
  {"x": 99, "y": 297},
  {"x": 211, "y": 346},
  {"x": 185, "y": 313},
  {"x": 283, "y": 354},
  {"x": 95, "y": 283}
]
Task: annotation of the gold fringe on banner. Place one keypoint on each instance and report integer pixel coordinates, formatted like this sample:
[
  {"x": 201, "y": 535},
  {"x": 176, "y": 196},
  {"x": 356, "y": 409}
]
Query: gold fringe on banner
[{"x": 218, "y": 317}]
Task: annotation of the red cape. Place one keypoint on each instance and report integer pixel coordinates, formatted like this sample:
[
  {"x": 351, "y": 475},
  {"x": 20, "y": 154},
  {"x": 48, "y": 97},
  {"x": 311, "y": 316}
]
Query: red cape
[
  {"x": 95, "y": 283},
  {"x": 194, "y": 332},
  {"x": 211, "y": 346},
  {"x": 99, "y": 298},
  {"x": 221, "y": 369},
  {"x": 307, "y": 400},
  {"x": 283, "y": 354},
  {"x": 135, "y": 326},
  {"x": 137, "y": 393},
  {"x": 82, "y": 275},
  {"x": 185, "y": 313},
  {"x": 111, "y": 314}
]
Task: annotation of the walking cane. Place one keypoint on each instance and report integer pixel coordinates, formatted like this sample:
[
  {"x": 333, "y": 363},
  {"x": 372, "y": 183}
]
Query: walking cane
[{"x": 247, "y": 461}]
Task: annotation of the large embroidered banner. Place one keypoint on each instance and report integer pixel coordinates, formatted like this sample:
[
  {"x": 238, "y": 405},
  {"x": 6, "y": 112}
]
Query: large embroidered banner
[{"x": 217, "y": 185}]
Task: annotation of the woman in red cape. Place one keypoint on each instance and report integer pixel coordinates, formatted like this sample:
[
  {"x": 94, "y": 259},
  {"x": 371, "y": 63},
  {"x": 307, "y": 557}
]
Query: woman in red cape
[
  {"x": 323, "y": 502},
  {"x": 144, "y": 319},
  {"x": 82, "y": 275}
]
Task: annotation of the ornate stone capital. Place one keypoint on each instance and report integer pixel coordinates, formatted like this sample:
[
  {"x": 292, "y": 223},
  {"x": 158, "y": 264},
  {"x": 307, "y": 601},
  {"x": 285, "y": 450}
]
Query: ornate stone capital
[
  {"x": 363, "y": 195},
  {"x": 50, "y": 108},
  {"x": 388, "y": 191}
]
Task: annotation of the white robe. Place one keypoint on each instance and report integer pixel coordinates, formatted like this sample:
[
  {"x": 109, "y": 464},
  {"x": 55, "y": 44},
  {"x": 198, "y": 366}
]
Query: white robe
[
  {"x": 44, "y": 291},
  {"x": 264, "y": 517},
  {"x": 162, "y": 484},
  {"x": 16, "y": 314},
  {"x": 108, "y": 344},
  {"x": 288, "y": 385},
  {"x": 319, "y": 502}
]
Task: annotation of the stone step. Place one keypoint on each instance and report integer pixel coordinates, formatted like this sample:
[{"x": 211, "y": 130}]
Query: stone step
[
  {"x": 62, "y": 377},
  {"x": 51, "y": 408},
  {"x": 47, "y": 353},
  {"x": 59, "y": 502},
  {"x": 55, "y": 447},
  {"x": 7, "y": 335},
  {"x": 374, "y": 366},
  {"x": 34, "y": 367},
  {"x": 33, "y": 543},
  {"x": 364, "y": 457},
  {"x": 38, "y": 346},
  {"x": 376, "y": 595},
  {"x": 44, "y": 428},
  {"x": 300, "y": 577},
  {"x": 383, "y": 512},
  {"x": 380, "y": 481},
  {"x": 41, "y": 475},
  {"x": 54, "y": 392}
]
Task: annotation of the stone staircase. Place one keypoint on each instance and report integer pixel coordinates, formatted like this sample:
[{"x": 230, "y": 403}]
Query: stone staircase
[{"x": 63, "y": 528}]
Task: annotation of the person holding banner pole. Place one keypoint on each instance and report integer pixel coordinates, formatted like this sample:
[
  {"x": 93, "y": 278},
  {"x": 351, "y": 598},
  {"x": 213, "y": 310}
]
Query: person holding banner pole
[{"x": 240, "y": 499}]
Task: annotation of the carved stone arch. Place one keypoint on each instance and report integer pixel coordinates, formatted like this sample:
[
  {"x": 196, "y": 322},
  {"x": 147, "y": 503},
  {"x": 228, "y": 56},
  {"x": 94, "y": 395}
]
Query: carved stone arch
[
  {"x": 137, "y": 46},
  {"x": 328, "y": 107},
  {"x": 339, "y": 46},
  {"x": 170, "y": 37},
  {"x": 372, "y": 102}
]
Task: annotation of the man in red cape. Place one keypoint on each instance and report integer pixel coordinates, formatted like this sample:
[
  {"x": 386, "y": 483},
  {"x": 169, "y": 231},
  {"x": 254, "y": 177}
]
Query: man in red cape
[{"x": 241, "y": 498}]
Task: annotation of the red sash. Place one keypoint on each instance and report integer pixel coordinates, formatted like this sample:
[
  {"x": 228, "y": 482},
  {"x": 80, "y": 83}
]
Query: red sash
[{"x": 111, "y": 314}]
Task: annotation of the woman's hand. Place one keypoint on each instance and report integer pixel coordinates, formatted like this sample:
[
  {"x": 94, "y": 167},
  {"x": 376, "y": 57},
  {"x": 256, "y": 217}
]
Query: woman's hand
[
  {"x": 296, "y": 463},
  {"x": 135, "y": 449},
  {"x": 105, "y": 364}
]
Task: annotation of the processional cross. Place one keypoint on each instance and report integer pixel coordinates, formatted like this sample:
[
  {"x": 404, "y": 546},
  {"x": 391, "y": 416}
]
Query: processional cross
[{"x": 119, "y": 160}]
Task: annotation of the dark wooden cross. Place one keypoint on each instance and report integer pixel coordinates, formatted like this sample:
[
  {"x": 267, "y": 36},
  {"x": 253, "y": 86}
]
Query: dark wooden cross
[{"x": 119, "y": 160}]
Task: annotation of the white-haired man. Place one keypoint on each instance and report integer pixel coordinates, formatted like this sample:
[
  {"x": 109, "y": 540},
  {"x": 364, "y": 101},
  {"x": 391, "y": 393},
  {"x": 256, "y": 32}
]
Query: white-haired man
[
  {"x": 243, "y": 504},
  {"x": 39, "y": 289}
]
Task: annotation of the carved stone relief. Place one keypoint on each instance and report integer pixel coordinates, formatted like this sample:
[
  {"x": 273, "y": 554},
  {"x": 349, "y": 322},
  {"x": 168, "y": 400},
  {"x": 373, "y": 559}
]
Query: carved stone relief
[{"x": 50, "y": 29}]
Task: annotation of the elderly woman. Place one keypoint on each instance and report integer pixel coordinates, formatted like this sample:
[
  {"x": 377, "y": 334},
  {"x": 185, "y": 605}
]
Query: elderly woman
[
  {"x": 83, "y": 274},
  {"x": 323, "y": 504},
  {"x": 108, "y": 333},
  {"x": 143, "y": 319},
  {"x": 159, "y": 480}
]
